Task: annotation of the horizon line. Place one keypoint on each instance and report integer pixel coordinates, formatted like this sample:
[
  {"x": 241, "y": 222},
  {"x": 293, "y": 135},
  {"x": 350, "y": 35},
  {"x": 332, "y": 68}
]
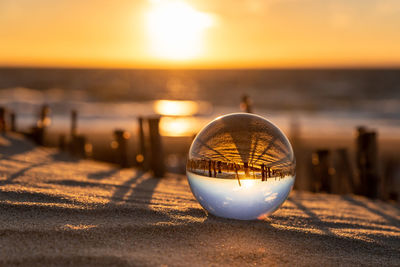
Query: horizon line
[{"x": 171, "y": 67}]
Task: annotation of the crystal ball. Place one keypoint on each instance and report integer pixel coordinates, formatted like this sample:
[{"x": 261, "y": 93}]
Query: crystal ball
[{"x": 241, "y": 166}]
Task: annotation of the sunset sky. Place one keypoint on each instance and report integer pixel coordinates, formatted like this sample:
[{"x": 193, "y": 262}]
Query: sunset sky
[{"x": 200, "y": 33}]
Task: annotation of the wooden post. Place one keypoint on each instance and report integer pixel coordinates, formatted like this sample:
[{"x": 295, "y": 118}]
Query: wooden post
[
  {"x": 214, "y": 168},
  {"x": 322, "y": 170},
  {"x": 237, "y": 175},
  {"x": 13, "y": 123},
  {"x": 74, "y": 123},
  {"x": 39, "y": 130},
  {"x": 121, "y": 138},
  {"x": 390, "y": 190},
  {"x": 245, "y": 104},
  {"x": 78, "y": 142},
  {"x": 343, "y": 179},
  {"x": 141, "y": 156},
  {"x": 246, "y": 168},
  {"x": 78, "y": 146},
  {"x": 62, "y": 143},
  {"x": 360, "y": 160},
  {"x": 44, "y": 119},
  {"x": 371, "y": 165},
  {"x": 157, "y": 157},
  {"x": 367, "y": 163},
  {"x": 2, "y": 120},
  {"x": 262, "y": 172}
]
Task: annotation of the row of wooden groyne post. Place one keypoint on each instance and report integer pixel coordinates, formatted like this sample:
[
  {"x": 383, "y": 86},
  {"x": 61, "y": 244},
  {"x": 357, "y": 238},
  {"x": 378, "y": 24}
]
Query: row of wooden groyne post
[
  {"x": 213, "y": 168},
  {"x": 332, "y": 169},
  {"x": 149, "y": 156}
]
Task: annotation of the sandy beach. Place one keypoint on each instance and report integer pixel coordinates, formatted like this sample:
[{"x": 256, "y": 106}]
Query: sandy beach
[{"x": 58, "y": 211}]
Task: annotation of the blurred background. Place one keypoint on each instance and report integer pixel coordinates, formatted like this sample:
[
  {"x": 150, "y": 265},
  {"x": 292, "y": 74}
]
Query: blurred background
[{"x": 326, "y": 72}]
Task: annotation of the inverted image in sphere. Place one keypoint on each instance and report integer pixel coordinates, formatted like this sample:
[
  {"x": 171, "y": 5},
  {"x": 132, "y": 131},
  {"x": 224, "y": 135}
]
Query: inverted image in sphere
[{"x": 241, "y": 166}]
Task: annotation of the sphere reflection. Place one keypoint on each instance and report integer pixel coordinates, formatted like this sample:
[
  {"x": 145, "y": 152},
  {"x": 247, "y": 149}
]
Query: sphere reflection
[{"x": 241, "y": 166}]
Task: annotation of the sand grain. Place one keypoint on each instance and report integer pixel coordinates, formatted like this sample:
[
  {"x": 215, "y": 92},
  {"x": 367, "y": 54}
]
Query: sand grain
[{"x": 56, "y": 211}]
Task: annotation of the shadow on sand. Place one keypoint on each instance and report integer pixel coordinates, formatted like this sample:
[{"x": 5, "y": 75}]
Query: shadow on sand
[
  {"x": 17, "y": 146},
  {"x": 391, "y": 220}
]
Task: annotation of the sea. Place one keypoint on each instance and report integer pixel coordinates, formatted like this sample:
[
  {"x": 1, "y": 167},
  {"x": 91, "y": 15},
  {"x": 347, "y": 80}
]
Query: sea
[{"x": 336, "y": 97}]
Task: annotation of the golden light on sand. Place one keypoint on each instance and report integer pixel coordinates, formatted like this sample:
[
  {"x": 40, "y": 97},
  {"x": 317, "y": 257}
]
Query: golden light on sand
[
  {"x": 175, "y": 107},
  {"x": 176, "y": 29}
]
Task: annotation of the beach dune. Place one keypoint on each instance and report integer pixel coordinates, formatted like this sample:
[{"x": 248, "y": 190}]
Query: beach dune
[{"x": 59, "y": 211}]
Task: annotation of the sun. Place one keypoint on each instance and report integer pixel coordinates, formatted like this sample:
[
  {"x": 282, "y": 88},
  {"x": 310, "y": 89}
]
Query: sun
[{"x": 176, "y": 29}]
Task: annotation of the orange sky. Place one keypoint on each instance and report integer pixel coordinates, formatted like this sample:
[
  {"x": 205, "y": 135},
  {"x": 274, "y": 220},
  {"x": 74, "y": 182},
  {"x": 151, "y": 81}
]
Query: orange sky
[{"x": 200, "y": 33}]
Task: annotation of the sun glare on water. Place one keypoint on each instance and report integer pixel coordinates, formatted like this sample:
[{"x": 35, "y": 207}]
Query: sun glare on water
[{"x": 176, "y": 29}]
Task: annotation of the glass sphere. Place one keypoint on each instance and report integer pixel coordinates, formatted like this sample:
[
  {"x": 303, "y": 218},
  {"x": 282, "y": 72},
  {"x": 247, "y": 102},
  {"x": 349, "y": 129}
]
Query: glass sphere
[{"x": 241, "y": 166}]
